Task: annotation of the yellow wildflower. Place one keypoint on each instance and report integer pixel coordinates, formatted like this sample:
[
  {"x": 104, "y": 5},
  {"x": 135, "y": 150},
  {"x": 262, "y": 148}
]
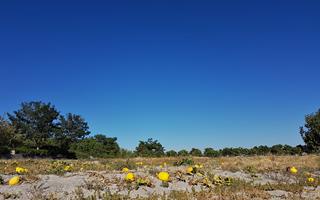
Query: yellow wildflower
[
  {"x": 293, "y": 170},
  {"x": 125, "y": 169},
  {"x": 67, "y": 168},
  {"x": 129, "y": 177},
  {"x": 190, "y": 170},
  {"x": 310, "y": 180},
  {"x": 164, "y": 176},
  {"x": 139, "y": 163},
  {"x": 14, "y": 180},
  {"x": 21, "y": 170}
]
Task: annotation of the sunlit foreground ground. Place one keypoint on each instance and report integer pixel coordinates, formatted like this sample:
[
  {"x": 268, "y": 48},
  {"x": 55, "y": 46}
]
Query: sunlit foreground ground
[{"x": 265, "y": 177}]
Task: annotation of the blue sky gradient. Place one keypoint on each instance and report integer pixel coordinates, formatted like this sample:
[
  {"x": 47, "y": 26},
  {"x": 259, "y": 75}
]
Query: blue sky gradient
[{"x": 188, "y": 73}]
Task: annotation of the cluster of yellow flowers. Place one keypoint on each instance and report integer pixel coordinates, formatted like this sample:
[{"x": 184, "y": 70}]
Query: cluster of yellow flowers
[
  {"x": 21, "y": 170},
  {"x": 193, "y": 170},
  {"x": 130, "y": 177},
  {"x": 294, "y": 170},
  {"x": 16, "y": 179}
]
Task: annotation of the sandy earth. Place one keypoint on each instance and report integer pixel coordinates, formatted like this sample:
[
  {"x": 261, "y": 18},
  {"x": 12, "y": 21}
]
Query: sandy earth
[{"x": 67, "y": 186}]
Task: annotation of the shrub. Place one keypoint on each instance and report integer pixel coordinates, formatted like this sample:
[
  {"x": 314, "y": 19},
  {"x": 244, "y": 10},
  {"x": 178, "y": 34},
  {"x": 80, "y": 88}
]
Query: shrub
[
  {"x": 185, "y": 161},
  {"x": 210, "y": 152},
  {"x": 195, "y": 152},
  {"x": 183, "y": 153},
  {"x": 98, "y": 146},
  {"x": 31, "y": 152},
  {"x": 171, "y": 153},
  {"x": 150, "y": 148}
]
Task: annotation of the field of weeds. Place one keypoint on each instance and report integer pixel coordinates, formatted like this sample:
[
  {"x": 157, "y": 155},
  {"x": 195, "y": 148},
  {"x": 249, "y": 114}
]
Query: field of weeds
[{"x": 258, "y": 177}]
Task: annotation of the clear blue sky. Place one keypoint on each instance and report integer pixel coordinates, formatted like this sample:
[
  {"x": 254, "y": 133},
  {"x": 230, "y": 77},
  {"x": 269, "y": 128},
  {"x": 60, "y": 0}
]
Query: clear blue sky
[{"x": 188, "y": 73}]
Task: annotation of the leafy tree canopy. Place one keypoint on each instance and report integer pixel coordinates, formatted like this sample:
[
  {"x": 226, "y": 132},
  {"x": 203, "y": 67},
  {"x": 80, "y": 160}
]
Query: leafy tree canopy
[
  {"x": 36, "y": 121},
  {"x": 150, "y": 148},
  {"x": 310, "y": 132}
]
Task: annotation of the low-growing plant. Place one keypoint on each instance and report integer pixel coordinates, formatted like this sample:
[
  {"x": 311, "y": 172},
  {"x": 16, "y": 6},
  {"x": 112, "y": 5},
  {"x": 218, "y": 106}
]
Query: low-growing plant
[{"x": 185, "y": 161}]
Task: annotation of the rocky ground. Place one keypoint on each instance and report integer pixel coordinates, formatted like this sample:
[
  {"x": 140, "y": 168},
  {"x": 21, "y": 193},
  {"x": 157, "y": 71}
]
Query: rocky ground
[
  {"x": 99, "y": 184},
  {"x": 236, "y": 178}
]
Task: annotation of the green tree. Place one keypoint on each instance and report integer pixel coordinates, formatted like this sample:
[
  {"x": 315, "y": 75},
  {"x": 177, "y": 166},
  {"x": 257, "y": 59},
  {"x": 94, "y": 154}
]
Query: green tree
[
  {"x": 150, "y": 148},
  {"x": 36, "y": 121},
  {"x": 277, "y": 149},
  {"x": 98, "y": 146},
  {"x": 9, "y": 139},
  {"x": 70, "y": 129},
  {"x": 125, "y": 153},
  {"x": 183, "y": 152},
  {"x": 210, "y": 152},
  {"x": 195, "y": 152},
  {"x": 259, "y": 150},
  {"x": 171, "y": 153},
  {"x": 310, "y": 133}
]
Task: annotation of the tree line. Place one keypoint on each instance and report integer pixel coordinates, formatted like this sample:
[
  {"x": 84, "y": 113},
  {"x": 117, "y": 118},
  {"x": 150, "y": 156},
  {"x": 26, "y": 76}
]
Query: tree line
[{"x": 39, "y": 129}]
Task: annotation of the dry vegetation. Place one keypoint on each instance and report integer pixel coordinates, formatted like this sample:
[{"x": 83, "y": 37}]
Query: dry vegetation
[{"x": 259, "y": 177}]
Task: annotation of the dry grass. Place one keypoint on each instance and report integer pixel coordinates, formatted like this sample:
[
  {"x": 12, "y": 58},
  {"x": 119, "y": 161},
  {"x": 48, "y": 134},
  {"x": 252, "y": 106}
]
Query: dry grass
[
  {"x": 254, "y": 163},
  {"x": 267, "y": 163}
]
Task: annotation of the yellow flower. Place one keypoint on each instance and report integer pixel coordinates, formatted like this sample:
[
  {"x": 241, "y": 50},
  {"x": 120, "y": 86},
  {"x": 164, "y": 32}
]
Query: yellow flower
[
  {"x": 189, "y": 170},
  {"x": 125, "y": 169},
  {"x": 129, "y": 177},
  {"x": 196, "y": 166},
  {"x": 164, "y": 176},
  {"x": 67, "y": 168},
  {"x": 310, "y": 180},
  {"x": 14, "y": 180},
  {"x": 21, "y": 170},
  {"x": 293, "y": 170},
  {"x": 139, "y": 163}
]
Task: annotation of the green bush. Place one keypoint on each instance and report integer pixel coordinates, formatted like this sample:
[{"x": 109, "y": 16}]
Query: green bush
[
  {"x": 210, "y": 152},
  {"x": 195, "y": 152},
  {"x": 150, "y": 148},
  {"x": 98, "y": 146},
  {"x": 30, "y": 152},
  {"x": 183, "y": 152},
  {"x": 171, "y": 153},
  {"x": 4, "y": 150}
]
